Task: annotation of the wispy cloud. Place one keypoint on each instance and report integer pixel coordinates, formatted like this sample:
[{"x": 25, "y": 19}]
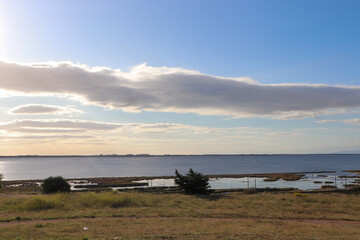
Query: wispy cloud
[
  {"x": 43, "y": 109},
  {"x": 354, "y": 121},
  {"x": 79, "y": 126},
  {"x": 63, "y": 136},
  {"x": 55, "y": 126},
  {"x": 177, "y": 90},
  {"x": 45, "y": 137}
]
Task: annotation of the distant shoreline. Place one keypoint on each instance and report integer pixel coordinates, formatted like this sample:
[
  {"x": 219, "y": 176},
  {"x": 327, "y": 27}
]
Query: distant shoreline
[
  {"x": 287, "y": 176},
  {"x": 171, "y": 155}
]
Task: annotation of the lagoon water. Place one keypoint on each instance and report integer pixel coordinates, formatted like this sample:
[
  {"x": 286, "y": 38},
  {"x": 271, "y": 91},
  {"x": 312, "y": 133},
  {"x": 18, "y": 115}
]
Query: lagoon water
[
  {"x": 309, "y": 182},
  {"x": 20, "y": 168}
]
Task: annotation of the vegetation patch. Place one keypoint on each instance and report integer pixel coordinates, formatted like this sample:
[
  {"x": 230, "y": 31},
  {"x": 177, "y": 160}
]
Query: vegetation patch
[
  {"x": 193, "y": 182},
  {"x": 111, "y": 215},
  {"x": 298, "y": 194},
  {"x": 353, "y": 171},
  {"x": 55, "y": 184},
  {"x": 328, "y": 187}
]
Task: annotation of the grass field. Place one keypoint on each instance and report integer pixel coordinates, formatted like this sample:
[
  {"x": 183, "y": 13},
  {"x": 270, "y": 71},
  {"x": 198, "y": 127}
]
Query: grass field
[{"x": 110, "y": 215}]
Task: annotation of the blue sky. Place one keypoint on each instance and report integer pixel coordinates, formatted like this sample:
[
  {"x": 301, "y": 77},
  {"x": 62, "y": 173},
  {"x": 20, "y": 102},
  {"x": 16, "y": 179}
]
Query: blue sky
[{"x": 262, "y": 43}]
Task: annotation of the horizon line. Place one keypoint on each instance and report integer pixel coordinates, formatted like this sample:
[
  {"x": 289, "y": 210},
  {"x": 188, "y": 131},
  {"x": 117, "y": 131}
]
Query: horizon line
[{"x": 165, "y": 155}]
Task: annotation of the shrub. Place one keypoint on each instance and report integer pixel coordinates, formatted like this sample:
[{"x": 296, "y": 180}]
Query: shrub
[
  {"x": 193, "y": 182},
  {"x": 55, "y": 184}
]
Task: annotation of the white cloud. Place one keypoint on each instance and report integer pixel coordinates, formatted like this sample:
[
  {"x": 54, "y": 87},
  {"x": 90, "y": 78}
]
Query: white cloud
[
  {"x": 43, "y": 109},
  {"x": 44, "y": 137},
  {"x": 171, "y": 128},
  {"x": 177, "y": 90},
  {"x": 354, "y": 121},
  {"x": 55, "y": 126}
]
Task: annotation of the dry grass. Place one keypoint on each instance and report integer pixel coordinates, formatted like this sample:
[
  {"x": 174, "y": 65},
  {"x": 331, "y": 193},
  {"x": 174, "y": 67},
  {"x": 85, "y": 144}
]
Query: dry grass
[
  {"x": 178, "y": 228},
  {"x": 74, "y": 202},
  {"x": 175, "y": 216},
  {"x": 266, "y": 205}
]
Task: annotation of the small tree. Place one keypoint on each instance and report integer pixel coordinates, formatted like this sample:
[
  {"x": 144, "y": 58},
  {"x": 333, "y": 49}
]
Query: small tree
[
  {"x": 55, "y": 184},
  {"x": 193, "y": 182},
  {"x": 1, "y": 176}
]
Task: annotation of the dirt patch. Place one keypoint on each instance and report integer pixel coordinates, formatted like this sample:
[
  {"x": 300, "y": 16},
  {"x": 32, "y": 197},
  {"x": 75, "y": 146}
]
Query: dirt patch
[{"x": 312, "y": 221}]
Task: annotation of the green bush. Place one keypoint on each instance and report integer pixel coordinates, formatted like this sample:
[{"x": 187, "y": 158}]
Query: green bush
[
  {"x": 193, "y": 182},
  {"x": 55, "y": 184}
]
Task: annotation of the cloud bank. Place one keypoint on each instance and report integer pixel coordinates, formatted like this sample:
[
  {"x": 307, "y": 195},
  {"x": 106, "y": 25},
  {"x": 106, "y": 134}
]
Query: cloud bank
[
  {"x": 55, "y": 126},
  {"x": 42, "y": 109},
  {"x": 177, "y": 90},
  {"x": 74, "y": 128}
]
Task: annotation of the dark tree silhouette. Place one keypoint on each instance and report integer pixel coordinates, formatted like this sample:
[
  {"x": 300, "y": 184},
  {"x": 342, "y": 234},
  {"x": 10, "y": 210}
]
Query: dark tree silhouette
[
  {"x": 1, "y": 176},
  {"x": 193, "y": 182},
  {"x": 55, "y": 184}
]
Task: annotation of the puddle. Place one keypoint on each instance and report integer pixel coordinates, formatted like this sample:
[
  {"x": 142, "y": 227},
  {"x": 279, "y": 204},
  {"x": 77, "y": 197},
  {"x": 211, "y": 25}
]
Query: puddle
[{"x": 74, "y": 183}]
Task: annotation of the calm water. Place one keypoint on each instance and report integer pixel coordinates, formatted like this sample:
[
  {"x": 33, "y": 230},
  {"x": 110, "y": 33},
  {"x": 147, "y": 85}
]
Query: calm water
[
  {"x": 309, "y": 182},
  {"x": 80, "y": 167}
]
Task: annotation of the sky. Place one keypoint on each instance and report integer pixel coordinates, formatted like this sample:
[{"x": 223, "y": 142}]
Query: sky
[{"x": 179, "y": 77}]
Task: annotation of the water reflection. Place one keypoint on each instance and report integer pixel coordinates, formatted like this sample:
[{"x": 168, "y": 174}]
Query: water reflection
[
  {"x": 24, "y": 168},
  {"x": 3, "y": 167},
  {"x": 309, "y": 182}
]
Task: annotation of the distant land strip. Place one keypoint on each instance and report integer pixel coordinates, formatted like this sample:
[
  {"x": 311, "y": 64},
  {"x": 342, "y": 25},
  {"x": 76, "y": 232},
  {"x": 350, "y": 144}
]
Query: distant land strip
[{"x": 174, "y": 155}]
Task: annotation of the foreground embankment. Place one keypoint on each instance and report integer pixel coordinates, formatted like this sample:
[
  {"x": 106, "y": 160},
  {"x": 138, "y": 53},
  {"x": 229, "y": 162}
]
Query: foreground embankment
[{"x": 133, "y": 215}]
